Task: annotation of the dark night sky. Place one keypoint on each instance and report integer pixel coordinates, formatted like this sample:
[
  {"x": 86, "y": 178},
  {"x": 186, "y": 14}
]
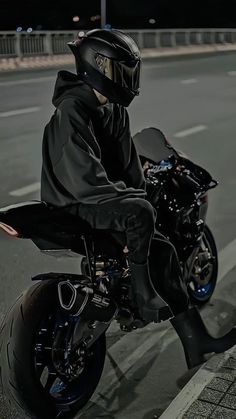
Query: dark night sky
[{"x": 57, "y": 14}]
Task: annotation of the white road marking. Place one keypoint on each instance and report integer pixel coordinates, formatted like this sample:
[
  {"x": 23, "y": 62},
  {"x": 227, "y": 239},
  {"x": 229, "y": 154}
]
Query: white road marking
[
  {"x": 182, "y": 402},
  {"x": 188, "y": 81},
  {"x": 232, "y": 73},
  {"x": 34, "y": 187},
  {"x": 26, "y": 81},
  {"x": 190, "y": 131},
  {"x": 148, "y": 66},
  {"x": 188, "y": 394},
  {"x": 186, "y": 397},
  {"x": 19, "y": 112},
  {"x": 176, "y": 409},
  {"x": 227, "y": 260},
  {"x": 126, "y": 364}
]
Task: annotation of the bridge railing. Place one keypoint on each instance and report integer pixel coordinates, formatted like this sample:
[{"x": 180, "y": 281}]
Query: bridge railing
[{"x": 23, "y": 44}]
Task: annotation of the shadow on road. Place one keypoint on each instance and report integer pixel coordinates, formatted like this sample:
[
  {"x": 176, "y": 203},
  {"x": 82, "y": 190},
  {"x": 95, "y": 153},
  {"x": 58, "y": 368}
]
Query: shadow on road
[{"x": 117, "y": 399}]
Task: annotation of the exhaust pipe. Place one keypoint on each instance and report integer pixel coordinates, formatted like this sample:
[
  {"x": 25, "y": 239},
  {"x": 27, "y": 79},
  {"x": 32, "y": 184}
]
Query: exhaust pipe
[{"x": 80, "y": 300}]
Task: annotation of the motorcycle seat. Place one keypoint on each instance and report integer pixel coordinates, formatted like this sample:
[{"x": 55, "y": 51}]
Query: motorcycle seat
[
  {"x": 52, "y": 227},
  {"x": 20, "y": 212},
  {"x": 33, "y": 216}
]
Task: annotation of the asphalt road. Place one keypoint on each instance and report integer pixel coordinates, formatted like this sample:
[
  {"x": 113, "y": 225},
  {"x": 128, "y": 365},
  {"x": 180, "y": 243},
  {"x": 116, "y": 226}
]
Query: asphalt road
[{"x": 193, "y": 102}]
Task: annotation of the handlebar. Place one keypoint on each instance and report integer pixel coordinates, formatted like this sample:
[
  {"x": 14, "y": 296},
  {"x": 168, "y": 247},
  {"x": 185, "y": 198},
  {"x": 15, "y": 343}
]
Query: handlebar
[{"x": 177, "y": 171}]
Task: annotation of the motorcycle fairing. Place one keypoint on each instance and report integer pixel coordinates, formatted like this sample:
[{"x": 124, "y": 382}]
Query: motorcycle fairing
[{"x": 153, "y": 145}]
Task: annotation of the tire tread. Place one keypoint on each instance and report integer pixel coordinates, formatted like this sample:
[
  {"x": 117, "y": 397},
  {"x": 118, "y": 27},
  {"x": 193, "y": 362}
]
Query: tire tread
[{"x": 15, "y": 364}]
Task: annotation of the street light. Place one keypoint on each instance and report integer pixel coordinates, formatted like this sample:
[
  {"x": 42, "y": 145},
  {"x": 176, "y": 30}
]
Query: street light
[
  {"x": 103, "y": 13},
  {"x": 94, "y": 18},
  {"x": 152, "y": 21}
]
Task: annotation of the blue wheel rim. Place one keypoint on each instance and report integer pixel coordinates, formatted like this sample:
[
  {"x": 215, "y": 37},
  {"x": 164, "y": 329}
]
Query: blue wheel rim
[{"x": 202, "y": 292}]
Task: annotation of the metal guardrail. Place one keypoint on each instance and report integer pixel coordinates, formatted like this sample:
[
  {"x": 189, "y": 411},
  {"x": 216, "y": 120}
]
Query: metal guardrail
[{"x": 23, "y": 44}]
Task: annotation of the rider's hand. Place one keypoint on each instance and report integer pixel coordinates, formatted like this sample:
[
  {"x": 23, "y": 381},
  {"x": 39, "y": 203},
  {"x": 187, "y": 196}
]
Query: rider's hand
[{"x": 146, "y": 166}]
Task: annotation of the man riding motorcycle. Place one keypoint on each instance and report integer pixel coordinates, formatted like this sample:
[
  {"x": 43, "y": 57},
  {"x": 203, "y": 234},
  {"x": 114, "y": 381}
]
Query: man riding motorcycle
[{"x": 91, "y": 167}]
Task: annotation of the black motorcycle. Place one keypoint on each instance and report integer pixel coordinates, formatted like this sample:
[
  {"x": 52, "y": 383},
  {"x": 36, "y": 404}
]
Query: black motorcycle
[{"x": 52, "y": 341}]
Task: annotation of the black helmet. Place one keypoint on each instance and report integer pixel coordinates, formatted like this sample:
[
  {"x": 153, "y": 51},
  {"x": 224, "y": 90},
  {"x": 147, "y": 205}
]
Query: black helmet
[{"x": 109, "y": 61}]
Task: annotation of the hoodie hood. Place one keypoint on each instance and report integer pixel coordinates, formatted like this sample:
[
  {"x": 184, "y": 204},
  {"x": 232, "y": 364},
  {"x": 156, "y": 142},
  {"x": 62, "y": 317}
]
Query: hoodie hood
[{"x": 69, "y": 85}]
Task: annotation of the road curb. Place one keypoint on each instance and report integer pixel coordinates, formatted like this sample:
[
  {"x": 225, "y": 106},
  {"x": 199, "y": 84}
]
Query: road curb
[
  {"x": 39, "y": 62},
  {"x": 198, "y": 399}
]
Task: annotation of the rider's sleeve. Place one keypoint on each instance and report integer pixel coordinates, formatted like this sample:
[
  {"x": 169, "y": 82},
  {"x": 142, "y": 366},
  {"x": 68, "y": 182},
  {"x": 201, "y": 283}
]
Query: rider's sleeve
[
  {"x": 78, "y": 166},
  {"x": 133, "y": 173}
]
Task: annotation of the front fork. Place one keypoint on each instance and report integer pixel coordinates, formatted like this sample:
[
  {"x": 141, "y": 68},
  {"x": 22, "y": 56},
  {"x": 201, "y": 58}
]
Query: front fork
[{"x": 189, "y": 264}]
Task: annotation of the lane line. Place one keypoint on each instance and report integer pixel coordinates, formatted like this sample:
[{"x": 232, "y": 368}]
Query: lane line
[
  {"x": 19, "y": 112},
  {"x": 34, "y": 187},
  {"x": 181, "y": 403},
  {"x": 26, "y": 81},
  {"x": 148, "y": 66},
  {"x": 227, "y": 258},
  {"x": 113, "y": 378},
  {"x": 232, "y": 73},
  {"x": 189, "y": 81},
  {"x": 190, "y": 131},
  {"x": 191, "y": 391}
]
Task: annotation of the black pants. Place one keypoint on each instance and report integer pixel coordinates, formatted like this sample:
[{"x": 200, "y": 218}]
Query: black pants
[{"x": 135, "y": 218}]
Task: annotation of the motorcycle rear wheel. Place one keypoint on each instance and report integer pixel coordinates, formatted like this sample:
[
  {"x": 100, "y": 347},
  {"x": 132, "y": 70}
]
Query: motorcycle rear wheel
[{"x": 22, "y": 394}]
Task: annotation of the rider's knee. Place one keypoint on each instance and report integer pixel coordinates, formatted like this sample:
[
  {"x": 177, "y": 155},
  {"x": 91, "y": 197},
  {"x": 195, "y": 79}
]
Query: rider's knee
[{"x": 145, "y": 212}]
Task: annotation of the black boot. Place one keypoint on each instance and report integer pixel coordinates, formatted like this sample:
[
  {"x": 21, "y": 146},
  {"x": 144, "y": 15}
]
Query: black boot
[
  {"x": 195, "y": 338},
  {"x": 151, "y": 306}
]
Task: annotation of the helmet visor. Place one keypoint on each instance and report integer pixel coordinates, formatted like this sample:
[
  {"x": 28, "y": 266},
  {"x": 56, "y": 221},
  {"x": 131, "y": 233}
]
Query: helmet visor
[{"x": 127, "y": 74}]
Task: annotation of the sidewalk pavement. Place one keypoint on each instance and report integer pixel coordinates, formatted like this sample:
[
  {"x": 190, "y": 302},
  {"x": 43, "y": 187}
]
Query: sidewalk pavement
[
  {"x": 35, "y": 62},
  {"x": 211, "y": 392}
]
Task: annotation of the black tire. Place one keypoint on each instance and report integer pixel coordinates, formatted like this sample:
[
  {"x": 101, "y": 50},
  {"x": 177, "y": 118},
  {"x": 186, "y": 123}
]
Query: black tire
[
  {"x": 202, "y": 299},
  {"x": 21, "y": 394}
]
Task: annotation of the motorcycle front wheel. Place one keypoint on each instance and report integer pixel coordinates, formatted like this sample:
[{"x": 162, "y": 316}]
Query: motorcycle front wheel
[
  {"x": 203, "y": 278},
  {"x": 30, "y": 385}
]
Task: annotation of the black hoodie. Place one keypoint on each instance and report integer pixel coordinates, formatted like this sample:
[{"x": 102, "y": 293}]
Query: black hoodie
[{"x": 88, "y": 153}]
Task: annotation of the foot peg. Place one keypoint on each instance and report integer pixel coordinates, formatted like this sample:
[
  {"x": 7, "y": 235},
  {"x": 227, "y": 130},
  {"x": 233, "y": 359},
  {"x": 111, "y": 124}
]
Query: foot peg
[
  {"x": 80, "y": 300},
  {"x": 157, "y": 315}
]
